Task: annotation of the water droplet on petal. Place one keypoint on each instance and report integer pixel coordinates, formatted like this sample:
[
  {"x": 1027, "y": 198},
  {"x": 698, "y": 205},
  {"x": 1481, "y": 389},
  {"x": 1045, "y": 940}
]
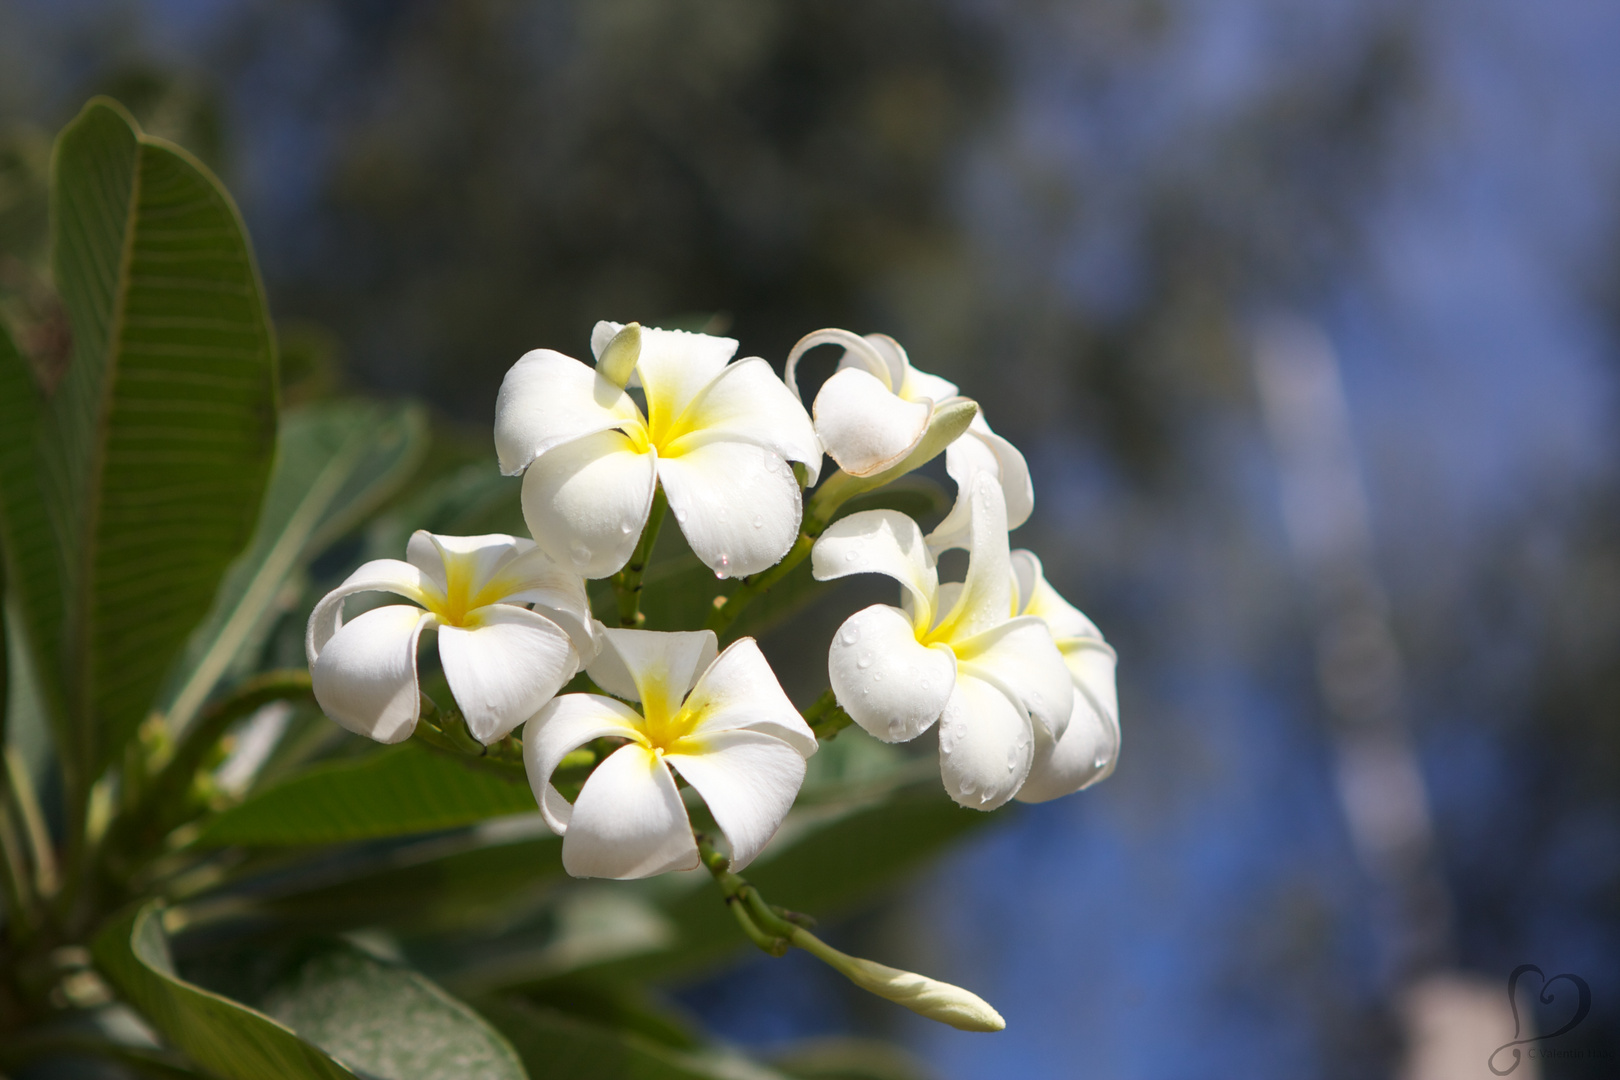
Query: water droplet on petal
[
  {"x": 849, "y": 635},
  {"x": 1099, "y": 761},
  {"x": 864, "y": 660},
  {"x": 680, "y": 517},
  {"x": 759, "y": 521},
  {"x": 580, "y": 554},
  {"x": 877, "y": 676},
  {"x": 626, "y": 528},
  {"x": 849, "y": 556}
]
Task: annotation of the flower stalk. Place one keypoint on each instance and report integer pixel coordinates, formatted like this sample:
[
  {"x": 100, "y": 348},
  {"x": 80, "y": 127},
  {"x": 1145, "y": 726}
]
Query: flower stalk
[{"x": 627, "y": 583}]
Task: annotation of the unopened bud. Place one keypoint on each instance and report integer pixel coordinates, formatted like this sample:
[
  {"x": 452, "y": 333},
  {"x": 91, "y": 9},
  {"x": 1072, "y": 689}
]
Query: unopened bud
[{"x": 927, "y": 997}]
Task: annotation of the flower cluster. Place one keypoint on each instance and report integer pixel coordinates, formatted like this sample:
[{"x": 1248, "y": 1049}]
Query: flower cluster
[{"x": 1018, "y": 682}]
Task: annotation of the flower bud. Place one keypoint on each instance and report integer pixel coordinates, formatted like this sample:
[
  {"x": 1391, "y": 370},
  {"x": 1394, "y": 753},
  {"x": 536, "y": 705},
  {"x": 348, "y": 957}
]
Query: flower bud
[
  {"x": 927, "y": 997},
  {"x": 619, "y": 356}
]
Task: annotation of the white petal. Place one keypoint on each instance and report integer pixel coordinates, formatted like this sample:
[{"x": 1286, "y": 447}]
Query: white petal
[
  {"x": 563, "y": 726},
  {"x": 982, "y": 450},
  {"x": 986, "y": 598},
  {"x": 738, "y": 691},
  {"x": 378, "y": 575},
  {"x": 505, "y": 666},
  {"x": 472, "y": 562},
  {"x": 673, "y": 368},
  {"x": 628, "y": 821},
  {"x": 746, "y": 402},
  {"x": 365, "y": 676},
  {"x": 1085, "y": 754},
  {"x": 864, "y": 426},
  {"x": 1091, "y": 663},
  {"x": 920, "y": 384},
  {"x": 887, "y": 682},
  {"x": 534, "y": 578},
  {"x": 880, "y": 542},
  {"x": 1020, "y": 657},
  {"x": 748, "y": 780},
  {"x": 548, "y": 399},
  {"x": 1037, "y": 597},
  {"x": 893, "y": 357},
  {"x": 985, "y": 745},
  {"x": 652, "y": 667},
  {"x": 586, "y": 502},
  {"x": 737, "y": 503}
]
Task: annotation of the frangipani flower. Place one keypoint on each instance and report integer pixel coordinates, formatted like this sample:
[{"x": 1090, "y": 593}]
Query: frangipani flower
[
  {"x": 1089, "y": 748},
  {"x": 875, "y": 409},
  {"x": 723, "y": 723},
  {"x": 718, "y": 436},
  {"x": 955, "y": 653},
  {"x": 503, "y": 660}
]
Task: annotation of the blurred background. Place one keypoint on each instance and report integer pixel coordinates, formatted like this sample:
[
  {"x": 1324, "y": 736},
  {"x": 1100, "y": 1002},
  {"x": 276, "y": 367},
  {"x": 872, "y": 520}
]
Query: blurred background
[{"x": 1306, "y": 316}]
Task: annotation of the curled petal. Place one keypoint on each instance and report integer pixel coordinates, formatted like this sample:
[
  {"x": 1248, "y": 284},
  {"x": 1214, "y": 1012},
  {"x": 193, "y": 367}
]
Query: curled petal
[
  {"x": 557, "y": 730},
  {"x": 888, "y": 683},
  {"x": 858, "y": 353},
  {"x": 365, "y": 676},
  {"x": 738, "y": 505},
  {"x": 504, "y": 666},
  {"x": 548, "y": 399},
  {"x": 652, "y": 667},
  {"x": 738, "y": 691},
  {"x": 982, "y": 450},
  {"x": 746, "y": 402},
  {"x": 866, "y": 428},
  {"x": 1085, "y": 754},
  {"x": 748, "y": 780},
  {"x": 586, "y": 502},
  {"x": 378, "y": 575},
  {"x": 985, "y": 745},
  {"x": 920, "y": 384},
  {"x": 986, "y": 598},
  {"x": 628, "y": 821},
  {"x": 880, "y": 542},
  {"x": 1091, "y": 663},
  {"x": 1021, "y": 659}
]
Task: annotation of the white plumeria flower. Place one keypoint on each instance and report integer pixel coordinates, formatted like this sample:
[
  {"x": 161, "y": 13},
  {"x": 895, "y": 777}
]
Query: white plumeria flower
[
  {"x": 1089, "y": 748},
  {"x": 723, "y": 723},
  {"x": 875, "y": 409},
  {"x": 955, "y": 653},
  {"x": 719, "y": 436},
  {"x": 503, "y": 660}
]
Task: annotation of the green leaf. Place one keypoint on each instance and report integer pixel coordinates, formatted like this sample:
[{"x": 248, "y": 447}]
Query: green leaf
[
  {"x": 335, "y": 463},
  {"x": 225, "y": 1037},
  {"x": 395, "y": 792},
  {"x": 839, "y": 1058},
  {"x": 557, "y": 1046},
  {"x": 33, "y": 596},
  {"x": 390, "y": 1022},
  {"x": 155, "y": 448}
]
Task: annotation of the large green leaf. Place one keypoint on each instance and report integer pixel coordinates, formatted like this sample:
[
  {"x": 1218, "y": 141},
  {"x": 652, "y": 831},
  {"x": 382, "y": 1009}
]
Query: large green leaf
[
  {"x": 223, "y": 1036},
  {"x": 155, "y": 448},
  {"x": 390, "y": 1022},
  {"x": 558, "y": 1046},
  {"x": 395, "y": 792},
  {"x": 335, "y": 463}
]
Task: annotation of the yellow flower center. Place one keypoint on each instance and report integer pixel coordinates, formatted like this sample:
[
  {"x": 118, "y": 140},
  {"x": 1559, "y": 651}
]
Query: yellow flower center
[
  {"x": 666, "y": 724},
  {"x": 464, "y": 595}
]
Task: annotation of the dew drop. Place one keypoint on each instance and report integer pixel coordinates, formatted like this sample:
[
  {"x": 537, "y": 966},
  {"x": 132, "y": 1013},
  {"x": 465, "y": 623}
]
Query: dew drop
[
  {"x": 850, "y": 555},
  {"x": 580, "y": 554},
  {"x": 877, "y": 676},
  {"x": 864, "y": 660},
  {"x": 759, "y": 521},
  {"x": 849, "y": 635},
  {"x": 1099, "y": 761},
  {"x": 680, "y": 516},
  {"x": 626, "y": 528}
]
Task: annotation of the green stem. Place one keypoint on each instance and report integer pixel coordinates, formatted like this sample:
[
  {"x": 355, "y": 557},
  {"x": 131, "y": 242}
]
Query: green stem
[
  {"x": 627, "y": 582},
  {"x": 162, "y": 805}
]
